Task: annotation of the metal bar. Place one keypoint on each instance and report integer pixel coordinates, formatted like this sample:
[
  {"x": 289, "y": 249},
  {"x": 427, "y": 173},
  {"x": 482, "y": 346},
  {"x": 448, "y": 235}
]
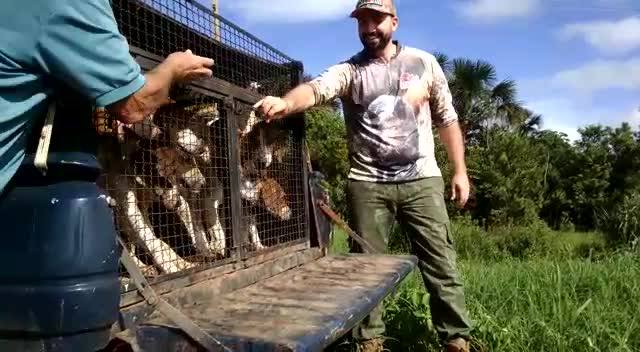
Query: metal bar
[
  {"x": 306, "y": 193},
  {"x": 297, "y": 77},
  {"x": 216, "y": 21},
  {"x": 369, "y": 248},
  {"x": 234, "y": 172}
]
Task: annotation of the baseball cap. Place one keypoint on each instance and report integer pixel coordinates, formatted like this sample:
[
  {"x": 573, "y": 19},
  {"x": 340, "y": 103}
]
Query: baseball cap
[{"x": 383, "y": 6}]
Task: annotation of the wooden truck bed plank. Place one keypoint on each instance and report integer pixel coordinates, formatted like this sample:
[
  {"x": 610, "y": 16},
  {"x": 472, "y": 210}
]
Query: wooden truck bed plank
[{"x": 303, "y": 309}]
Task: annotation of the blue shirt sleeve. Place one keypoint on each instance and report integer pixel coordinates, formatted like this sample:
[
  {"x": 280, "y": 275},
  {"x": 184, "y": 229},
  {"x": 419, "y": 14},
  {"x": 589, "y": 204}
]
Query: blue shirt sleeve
[{"x": 80, "y": 44}]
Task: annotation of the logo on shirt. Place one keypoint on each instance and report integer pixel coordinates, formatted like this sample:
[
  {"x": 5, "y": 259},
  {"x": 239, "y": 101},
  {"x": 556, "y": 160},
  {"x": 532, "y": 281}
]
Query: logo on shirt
[{"x": 406, "y": 79}]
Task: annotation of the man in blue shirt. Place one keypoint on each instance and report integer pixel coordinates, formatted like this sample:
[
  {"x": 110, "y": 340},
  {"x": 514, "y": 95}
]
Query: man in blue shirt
[{"x": 76, "y": 42}]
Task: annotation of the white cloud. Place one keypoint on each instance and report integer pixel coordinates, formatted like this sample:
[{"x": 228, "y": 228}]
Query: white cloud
[
  {"x": 492, "y": 10},
  {"x": 568, "y": 116},
  {"x": 292, "y": 11},
  {"x": 600, "y": 75},
  {"x": 634, "y": 117},
  {"x": 609, "y": 37},
  {"x": 560, "y": 115},
  {"x": 568, "y": 101}
]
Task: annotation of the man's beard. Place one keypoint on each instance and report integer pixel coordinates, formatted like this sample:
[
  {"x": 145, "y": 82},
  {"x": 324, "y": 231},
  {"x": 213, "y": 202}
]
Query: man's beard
[{"x": 374, "y": 42}]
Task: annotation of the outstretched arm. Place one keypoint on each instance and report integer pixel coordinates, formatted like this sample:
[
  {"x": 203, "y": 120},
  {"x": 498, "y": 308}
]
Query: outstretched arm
[
  {"x": 334, "y": 82},
  {"x": 297, "y": 100}
]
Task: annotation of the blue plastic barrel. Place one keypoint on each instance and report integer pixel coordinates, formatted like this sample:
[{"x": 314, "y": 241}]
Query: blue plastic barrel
[{"x": 59, "y": 286}]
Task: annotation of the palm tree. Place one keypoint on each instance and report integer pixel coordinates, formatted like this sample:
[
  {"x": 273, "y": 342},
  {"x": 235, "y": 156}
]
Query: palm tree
[
  {"x": 508, "y": 108},
  {"x": 531, "y": 123},
  {"x": 480, "y": 102},
  {"x": 443, "y": 60},
  {"x": 470, "y": 83}
]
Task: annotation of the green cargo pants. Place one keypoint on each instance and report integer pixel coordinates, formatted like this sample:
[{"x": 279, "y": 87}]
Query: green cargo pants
[{"x": 420, "y": 209}]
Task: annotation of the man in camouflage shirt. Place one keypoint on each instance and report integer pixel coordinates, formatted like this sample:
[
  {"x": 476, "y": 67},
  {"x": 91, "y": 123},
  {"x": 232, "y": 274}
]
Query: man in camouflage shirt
[{"x": 392, "y": 96}]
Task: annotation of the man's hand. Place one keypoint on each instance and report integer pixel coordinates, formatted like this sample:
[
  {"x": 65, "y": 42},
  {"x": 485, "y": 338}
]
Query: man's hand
[
  {"x": 297, "y": 100},
  {"x": 178, "y": 67},
  {"x": 185, "y": 66},
  {"x": 272, "y": 108},
  {"x": 460, "y": 189}
]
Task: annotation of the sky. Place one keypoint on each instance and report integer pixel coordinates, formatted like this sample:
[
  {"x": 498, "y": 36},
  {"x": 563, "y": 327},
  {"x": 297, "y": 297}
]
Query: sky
[{"x": 576, "y": 62}]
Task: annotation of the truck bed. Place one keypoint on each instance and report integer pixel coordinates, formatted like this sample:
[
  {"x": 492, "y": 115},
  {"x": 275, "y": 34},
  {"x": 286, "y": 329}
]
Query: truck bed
[{"x": 303, "y": 309}]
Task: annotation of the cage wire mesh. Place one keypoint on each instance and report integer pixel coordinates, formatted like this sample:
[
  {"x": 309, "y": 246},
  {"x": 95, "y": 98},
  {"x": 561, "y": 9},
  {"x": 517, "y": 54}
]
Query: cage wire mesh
[
  {"x": 166, "y": 26},
  {"x": 167, "y": 177},
  {"x": 170, "y": 176},
  {"x": 270, "y": 184}
]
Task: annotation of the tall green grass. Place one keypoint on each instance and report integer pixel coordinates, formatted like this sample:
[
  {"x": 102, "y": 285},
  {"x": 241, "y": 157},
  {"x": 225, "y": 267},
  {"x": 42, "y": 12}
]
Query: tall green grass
[
  {"x": 534, "y": 241},
  {"x": 556, "y": 305},
  {"x": 529, "y": 290}
]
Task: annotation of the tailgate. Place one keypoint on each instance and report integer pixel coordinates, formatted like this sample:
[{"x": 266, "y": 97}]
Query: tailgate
[{"x": 303, "y": 309}]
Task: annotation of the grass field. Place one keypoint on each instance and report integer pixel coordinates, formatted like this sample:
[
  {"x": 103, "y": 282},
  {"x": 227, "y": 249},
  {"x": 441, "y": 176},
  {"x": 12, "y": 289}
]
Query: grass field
[{"x": 528, "y": 291}]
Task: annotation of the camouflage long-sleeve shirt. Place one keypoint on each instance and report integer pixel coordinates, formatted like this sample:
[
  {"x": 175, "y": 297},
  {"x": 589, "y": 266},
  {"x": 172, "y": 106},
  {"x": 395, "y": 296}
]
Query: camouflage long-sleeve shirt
[{"x": 390, "y": 108}]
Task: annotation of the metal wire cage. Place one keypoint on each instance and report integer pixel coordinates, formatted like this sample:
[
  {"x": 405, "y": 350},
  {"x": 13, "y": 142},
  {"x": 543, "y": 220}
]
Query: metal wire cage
[
  {"x": 204, "y": 181},
  {"x": 162, "y": 27}
]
